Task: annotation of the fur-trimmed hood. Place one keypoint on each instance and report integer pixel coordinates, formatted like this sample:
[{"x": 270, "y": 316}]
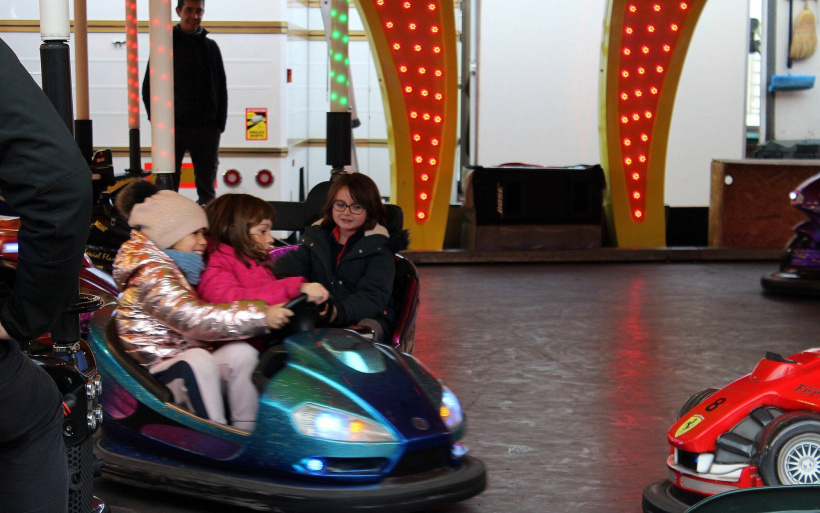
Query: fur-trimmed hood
[{"x": 397, "y": 240}]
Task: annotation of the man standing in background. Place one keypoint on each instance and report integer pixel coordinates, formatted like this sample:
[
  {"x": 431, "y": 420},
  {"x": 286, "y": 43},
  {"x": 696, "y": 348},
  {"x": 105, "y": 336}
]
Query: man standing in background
[{"x": 200, "y": 98}]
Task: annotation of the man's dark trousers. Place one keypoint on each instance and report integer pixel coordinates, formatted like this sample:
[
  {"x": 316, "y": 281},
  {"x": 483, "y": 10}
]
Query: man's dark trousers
[{"x": 203, "y": 145}]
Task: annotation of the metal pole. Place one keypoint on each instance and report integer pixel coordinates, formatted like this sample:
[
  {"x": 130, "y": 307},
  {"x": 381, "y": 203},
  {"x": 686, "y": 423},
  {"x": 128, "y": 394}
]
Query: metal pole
[
  {"x": 339, "y": 123},
  {"x": 162, "y": 92},
  {"x": 771, "y": 61},
  {"x": 475, "y": 82},
  {"x": 132, "y": 52},
  {"x": 467, "y": 63},
  {"x": 55, "y": 58},
  {"x": 83, "y": 131}
]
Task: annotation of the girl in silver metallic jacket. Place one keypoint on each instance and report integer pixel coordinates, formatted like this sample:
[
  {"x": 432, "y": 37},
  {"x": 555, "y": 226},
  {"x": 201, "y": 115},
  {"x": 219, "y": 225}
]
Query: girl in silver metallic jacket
[{"x": 165, "y": 326}]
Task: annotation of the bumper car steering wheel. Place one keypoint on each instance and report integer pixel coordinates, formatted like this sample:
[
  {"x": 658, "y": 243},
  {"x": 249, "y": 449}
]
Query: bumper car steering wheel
[{"x": 306, "y": 316}]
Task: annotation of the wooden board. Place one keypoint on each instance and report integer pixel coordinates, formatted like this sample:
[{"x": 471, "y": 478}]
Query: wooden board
[{"x": 749, "y": 204}]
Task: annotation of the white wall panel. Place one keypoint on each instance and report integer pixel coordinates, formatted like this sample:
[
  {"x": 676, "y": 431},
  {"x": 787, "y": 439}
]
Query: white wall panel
[
  {"x": 709, "y": 121},
  {"x": 22, "y": 10},
  {"x": 297, "y": 90},
  {"x": 374, "y": 161},
  {"x": 298, "y": 15},
  {"x": 538, "y": 82},
  {"x": 27, "y": 47},
  {"x": 538, "y": 89}
]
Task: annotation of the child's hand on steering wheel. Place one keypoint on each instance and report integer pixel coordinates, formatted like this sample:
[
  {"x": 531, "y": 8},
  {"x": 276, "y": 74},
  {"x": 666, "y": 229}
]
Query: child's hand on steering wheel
[
  {"x": 328, "y": 313},
  {"x": 277, "y": 316},
  {"x": 316, "y": 292}
]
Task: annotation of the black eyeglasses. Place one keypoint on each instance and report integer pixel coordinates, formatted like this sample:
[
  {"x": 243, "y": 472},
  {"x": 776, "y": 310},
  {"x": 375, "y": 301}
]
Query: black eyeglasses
[{"x": 340, "y": 206}]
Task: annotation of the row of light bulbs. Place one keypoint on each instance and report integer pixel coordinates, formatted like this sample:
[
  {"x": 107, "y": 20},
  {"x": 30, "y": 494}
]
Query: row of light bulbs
[{"x": 650, "y": 33}]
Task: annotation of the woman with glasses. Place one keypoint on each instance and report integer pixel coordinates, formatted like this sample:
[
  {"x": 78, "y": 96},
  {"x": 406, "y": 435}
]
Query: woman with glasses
[{"x": 350, "y": 252}]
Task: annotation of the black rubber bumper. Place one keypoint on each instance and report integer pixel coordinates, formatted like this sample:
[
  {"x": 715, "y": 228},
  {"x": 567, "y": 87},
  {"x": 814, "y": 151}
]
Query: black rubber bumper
[
  {"x": 663, "y": 497},
  {"x": 791, "y": 284},
  {"x": 393, "y": 495}
]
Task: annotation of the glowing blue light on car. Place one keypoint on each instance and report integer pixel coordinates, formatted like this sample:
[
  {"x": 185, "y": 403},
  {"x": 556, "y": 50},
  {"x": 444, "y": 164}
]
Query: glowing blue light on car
[
  {"x": 328, "y": 425},
  {"x": 10, "y": 248},
  {"x": 314, "y": 465},
  {"x": 459, "y": 450},
  {"x": 450, "y": 409}
]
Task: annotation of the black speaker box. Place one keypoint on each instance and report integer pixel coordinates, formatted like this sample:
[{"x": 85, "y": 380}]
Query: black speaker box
[
  {"x": 339, "y": 134},
  {"x": 538, "y": 195}
]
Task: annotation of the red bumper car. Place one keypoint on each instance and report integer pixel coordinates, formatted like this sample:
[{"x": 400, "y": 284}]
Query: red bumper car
[{"x": 760, "y": 430}]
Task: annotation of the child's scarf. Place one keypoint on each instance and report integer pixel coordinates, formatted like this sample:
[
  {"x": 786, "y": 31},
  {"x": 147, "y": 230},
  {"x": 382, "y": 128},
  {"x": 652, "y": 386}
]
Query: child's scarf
[{"x": 189, "y": 263}]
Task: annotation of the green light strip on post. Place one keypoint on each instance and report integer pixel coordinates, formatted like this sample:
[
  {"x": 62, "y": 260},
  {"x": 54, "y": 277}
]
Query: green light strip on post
[{"x": 339, "y": 59}]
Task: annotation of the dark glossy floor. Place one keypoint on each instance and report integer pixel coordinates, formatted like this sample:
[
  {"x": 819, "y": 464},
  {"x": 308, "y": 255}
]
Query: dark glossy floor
[{"x": 570, "y": 374}]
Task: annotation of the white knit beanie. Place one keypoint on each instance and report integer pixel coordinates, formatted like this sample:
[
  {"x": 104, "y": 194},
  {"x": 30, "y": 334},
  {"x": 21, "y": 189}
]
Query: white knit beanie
[{"x": 167, "y": 217}]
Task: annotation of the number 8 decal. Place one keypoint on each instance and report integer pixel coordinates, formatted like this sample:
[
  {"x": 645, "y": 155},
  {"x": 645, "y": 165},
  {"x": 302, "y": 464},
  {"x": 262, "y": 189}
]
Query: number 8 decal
[{"x": 713, "y": 406}]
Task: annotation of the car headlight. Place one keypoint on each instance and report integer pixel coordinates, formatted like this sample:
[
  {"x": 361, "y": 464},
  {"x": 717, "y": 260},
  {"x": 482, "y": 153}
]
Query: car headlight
[
  {"x": 450, "y": 410},
  {"x": 332, "y": 424}
]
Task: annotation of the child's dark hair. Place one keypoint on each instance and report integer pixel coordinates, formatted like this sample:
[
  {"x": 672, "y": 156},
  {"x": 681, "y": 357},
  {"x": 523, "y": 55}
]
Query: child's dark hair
[
  {"x": 132, "y": 194},
  {"x": 231, "y": 217},
  {"x": 364, "y": 191}
]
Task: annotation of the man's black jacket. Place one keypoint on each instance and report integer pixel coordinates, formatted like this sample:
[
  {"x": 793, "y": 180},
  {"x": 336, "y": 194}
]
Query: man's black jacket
[{"x": 45, "y": 178}]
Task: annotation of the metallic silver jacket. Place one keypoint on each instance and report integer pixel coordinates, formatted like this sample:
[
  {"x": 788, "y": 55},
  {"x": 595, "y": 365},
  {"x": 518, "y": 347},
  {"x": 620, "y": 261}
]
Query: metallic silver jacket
[{"x": 159, "y": 314}]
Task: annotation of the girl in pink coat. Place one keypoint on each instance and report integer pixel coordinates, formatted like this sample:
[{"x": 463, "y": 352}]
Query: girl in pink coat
[
  {"x": 188, "y": 344},
  {"x": 238, "y": 264}
]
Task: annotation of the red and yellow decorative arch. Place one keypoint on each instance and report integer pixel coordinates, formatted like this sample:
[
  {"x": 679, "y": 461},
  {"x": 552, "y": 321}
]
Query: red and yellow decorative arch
[
  {"x": 645, "y": 44},
  {"x": 414, "y": 43}
]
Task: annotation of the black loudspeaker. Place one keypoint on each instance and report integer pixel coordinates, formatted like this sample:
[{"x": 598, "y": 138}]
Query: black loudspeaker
[
  {"x": 510, "y": 195},
  {"x": 687, "y": 226},
  {"x": 339, "y": 134}
]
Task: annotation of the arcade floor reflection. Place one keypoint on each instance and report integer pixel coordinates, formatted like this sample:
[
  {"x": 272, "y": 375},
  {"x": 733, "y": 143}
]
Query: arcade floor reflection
[{"x": 570, "y": 374}]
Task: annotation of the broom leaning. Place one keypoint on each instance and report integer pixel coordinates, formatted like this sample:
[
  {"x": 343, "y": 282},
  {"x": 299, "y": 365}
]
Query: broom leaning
[{"x": 804, "y": 39}]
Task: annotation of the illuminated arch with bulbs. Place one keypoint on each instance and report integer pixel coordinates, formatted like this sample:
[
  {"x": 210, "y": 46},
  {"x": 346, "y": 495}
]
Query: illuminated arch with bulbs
[
  {"x": 645, "y": 44},
  {"x": 414, "y": 43}
]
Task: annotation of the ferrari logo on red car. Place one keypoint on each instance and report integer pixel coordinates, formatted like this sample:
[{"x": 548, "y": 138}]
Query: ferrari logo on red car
[
  {"x": 690, "y": 423},
  {"x": 807, "y": 390}
]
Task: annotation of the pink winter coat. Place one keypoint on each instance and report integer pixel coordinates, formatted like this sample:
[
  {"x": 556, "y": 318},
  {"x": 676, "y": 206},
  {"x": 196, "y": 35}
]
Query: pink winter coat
[
  {"x": 226, "y": 278},
  {"x": 160, "y": 315}
]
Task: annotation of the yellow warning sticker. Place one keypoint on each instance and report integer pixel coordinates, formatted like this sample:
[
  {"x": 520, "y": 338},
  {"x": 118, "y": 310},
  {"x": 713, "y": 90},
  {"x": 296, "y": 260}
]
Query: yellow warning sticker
[{"x": 256, "y": 128}]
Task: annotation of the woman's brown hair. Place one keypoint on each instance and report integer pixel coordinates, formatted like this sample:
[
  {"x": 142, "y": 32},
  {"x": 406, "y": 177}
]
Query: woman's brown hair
[
  {"x": 364, "y": 191},
  {"x": 231, "y": 217}
]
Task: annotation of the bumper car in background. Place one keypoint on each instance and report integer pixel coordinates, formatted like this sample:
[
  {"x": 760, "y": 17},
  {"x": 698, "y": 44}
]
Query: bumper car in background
[
  {"x": 108, "y": 230},
  {"x": 799, "y": 272},
  {"x": 761, "y": 430}
]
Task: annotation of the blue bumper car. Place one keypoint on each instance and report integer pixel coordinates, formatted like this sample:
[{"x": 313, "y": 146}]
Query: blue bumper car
[{"x": 344, "y": 424}]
